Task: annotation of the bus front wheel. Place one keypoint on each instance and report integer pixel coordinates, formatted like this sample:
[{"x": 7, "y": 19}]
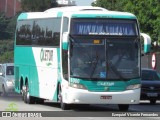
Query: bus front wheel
[
  {"x": 123, "y": 107},
  {"x": 63, "y": 105}
]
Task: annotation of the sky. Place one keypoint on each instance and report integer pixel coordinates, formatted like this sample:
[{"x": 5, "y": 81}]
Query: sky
[{"x": 84, "y": 2}]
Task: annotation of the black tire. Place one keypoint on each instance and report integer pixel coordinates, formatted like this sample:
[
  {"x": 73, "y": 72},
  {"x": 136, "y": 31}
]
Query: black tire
[
  {"x": 63, "y": 105},
  {"x": 152, "y": 101},
  {"x": 4, "y": 93},
  {"x": 123, "y": 107},
  {"x": 27, "y": 98},
  {"x": 23, "y": 94}
]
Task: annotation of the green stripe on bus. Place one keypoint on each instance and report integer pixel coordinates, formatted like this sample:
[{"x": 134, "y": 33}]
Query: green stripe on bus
[
  {"x": 106, "y": 86},
  {"x": 22, "y": 16},
  {"x": 103, "y": 16},
  {"x": 59, "y": 14},
  {"x": 147, "y": 48}
]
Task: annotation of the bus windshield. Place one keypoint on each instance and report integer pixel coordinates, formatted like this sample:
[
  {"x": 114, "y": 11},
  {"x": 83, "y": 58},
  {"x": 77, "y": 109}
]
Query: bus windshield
[
  {"x": 103, "y": 27},
  {"x": 104, "y": 58}
]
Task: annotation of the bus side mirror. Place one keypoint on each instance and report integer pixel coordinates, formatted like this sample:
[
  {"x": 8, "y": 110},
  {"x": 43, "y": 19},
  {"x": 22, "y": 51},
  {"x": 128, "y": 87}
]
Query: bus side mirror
[
  {"x": 147, "y": 42},
  {"x": 65, "y": 40}
]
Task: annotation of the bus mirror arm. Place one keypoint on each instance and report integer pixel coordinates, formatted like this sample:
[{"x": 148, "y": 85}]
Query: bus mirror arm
[
  {"x": 147, "y": 42},
  {"x": 65, "y": 40}
]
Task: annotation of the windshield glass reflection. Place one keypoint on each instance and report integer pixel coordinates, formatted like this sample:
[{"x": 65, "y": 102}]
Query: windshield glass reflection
[
  {"x": 88, "y": 60},
  {"x": 104, "y": 59}
]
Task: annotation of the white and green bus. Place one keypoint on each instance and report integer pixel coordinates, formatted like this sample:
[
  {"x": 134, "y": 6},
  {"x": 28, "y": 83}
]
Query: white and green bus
[{"x": 70, "y": 55}]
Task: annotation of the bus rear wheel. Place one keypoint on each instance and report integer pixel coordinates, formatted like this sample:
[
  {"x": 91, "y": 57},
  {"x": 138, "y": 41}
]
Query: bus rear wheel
[
  {"x": 123, "y": 107},
  {"x": 27, "y": 98},
  {"x": 63, "y": 105}
]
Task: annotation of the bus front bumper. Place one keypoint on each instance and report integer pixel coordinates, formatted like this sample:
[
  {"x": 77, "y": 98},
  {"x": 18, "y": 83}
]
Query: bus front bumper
[{"x": 79, "y": 96}]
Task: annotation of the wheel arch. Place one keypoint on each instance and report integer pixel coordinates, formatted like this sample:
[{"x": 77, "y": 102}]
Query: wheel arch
[
  {"x": 21, "y": 83},
  {"x": 26, "y": 80}
]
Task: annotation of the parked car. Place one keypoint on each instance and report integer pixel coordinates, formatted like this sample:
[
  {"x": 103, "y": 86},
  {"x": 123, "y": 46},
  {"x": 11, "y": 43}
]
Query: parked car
[
  {"x": 6, "y": 78},
  {"x": 150, "y": 89}
]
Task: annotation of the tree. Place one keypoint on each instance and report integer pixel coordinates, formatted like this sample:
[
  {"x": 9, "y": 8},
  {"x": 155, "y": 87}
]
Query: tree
[
  {"x": 147, "y": 12},
  {"x": 109, "y": 4},
  {"x": 6, "y": 51},
  {"x": 3, "y": 25},
  {"x": 37, "y": 5}
]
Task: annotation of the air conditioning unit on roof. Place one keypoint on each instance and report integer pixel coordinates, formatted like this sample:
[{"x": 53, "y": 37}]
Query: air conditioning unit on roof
[{"x": 66, "y": 2}]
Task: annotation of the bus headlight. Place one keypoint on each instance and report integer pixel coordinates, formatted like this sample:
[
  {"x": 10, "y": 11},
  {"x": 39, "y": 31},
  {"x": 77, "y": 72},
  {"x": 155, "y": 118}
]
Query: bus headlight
[
  {"x": 9, "y": 83},
  {"x": 78, "y": 86},
  {"x": 131, "y": 87}
]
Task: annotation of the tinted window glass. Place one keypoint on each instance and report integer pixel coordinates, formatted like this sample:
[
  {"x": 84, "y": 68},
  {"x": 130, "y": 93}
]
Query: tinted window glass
[
  {"x": 101, "y": 58},
  {"x": 10, "y": 70},
  {"x": 45, "y": 32},
  {"x": 149, "y": 75}
]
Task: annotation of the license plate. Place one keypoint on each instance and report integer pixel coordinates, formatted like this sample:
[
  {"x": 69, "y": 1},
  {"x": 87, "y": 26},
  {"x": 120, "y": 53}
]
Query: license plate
[
  {"x": 106, "y": 97},
  {"x": 152, "y": 94}
]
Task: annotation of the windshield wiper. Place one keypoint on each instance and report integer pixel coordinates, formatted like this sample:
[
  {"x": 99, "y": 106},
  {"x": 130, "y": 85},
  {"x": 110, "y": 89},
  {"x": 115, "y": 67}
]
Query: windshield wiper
[
  {"x": 114, "y": 69},
  {"x": 73, "y": 40},
  {"x": 94, "y": 67}
]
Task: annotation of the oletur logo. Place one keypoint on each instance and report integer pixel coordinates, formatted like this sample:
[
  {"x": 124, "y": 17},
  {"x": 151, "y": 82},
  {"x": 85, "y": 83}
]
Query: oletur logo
[
  {"x": 105, "y": 84},
  {"x": 46, "y": 56}
]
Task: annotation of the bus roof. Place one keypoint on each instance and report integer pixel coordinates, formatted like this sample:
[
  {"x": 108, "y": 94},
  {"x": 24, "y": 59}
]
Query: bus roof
[
  {"x": 77, "y": 12},
  {"x": 75, "y": 8}
]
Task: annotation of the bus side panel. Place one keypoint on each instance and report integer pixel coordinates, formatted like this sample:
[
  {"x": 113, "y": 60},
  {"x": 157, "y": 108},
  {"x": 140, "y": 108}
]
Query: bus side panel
[
  {"x": 46, "y": 61},
  {"x": 40, "y": 68},
  {"x": 24, "y": 63},
  {"x": 34, "y": 83},
  {"x": 59, "y": 79}
]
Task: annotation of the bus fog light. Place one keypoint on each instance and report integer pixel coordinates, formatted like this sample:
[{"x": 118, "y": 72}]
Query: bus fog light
[
  {"x": 132, "y": 87},
  {"x": 132, "y": 101},
  {"x": 76, "y": 101},
  {"x": 9, "y": 83}
]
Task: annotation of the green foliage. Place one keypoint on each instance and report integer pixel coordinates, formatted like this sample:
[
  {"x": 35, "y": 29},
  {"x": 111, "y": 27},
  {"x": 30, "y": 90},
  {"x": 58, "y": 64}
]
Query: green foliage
[
  {"x": 37, "y": 5},
  {"x": 6, "y": 51},
  {"x": 109, "y": 4},
  {"x": 7, "y": 30},
  {"x": 8, "y": 26},
  {"x": 3, "y": 27},
  {"x": 147, "y": 12}
]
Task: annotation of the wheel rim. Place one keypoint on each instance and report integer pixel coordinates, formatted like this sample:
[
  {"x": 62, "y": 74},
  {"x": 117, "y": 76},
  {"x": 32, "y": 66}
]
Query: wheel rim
[{"x": 27, "y": 95}]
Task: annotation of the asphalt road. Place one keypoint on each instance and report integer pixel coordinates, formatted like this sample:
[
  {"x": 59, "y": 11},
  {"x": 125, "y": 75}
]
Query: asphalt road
[{"x": 90, "y": 112}]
